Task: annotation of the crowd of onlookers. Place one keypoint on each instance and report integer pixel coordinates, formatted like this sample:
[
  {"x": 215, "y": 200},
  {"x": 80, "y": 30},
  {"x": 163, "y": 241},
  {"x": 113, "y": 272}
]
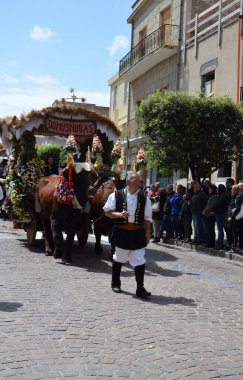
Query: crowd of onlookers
[{"x": 204, "y": 214}]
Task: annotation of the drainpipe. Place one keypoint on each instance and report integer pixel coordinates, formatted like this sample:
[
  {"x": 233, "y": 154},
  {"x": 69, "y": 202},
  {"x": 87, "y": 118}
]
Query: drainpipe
[
  {"x": 179, "y": 46},
  {"x": 238, "y": 82}
]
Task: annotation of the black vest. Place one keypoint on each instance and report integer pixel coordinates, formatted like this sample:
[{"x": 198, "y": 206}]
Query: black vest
[{"x": 121, "y": 204}]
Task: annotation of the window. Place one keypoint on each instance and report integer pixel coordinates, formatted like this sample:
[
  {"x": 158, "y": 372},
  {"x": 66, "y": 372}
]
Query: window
[
  {"x": 208, "y": 81},
  {"x": 165, "y": 23}
]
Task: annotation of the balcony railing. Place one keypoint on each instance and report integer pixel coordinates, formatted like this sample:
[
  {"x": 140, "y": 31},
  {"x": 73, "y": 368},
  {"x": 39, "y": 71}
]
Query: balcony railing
[
  {"x": 212, "y": 20},
  {"x": 166, "y": 36}
]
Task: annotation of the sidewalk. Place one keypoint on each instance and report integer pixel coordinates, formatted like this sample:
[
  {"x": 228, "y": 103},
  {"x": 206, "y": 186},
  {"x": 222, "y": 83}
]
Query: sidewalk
[
  {"x": 6, "y": 228},
  {"x": 204, "y": 250}
]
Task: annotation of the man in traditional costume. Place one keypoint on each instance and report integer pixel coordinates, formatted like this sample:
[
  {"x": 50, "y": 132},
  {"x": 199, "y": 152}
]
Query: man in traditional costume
[{"x": 132, "y": 214}]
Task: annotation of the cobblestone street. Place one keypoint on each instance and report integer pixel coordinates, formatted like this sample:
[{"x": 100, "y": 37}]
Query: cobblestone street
[{"x": 60, "y": 321}]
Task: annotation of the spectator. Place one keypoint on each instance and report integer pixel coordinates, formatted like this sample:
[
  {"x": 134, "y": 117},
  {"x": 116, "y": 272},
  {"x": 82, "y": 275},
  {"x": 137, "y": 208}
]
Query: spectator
[
  {"x": 186, "y": 215},
  {"x": 229, "y": 183},
  {"x": 50, "y": 168},
  {"x": 166, "y": 221},
  {"x": 231, "y": 227},
  {"x": 198, "y": 203},
  {"x": 176, "y": 203},
  {"x": 152, "y": 192},
  {"x": 220, "y": 210},
  {"x": 1, "y": 195},
  {"x": 210, "y": 221},
  {"x": 236, "y": 211},
  {"x": 157, "y": 216}
]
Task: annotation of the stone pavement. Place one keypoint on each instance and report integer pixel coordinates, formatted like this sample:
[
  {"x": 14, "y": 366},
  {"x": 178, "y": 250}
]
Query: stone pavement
[{"x": 64, "y": 322}]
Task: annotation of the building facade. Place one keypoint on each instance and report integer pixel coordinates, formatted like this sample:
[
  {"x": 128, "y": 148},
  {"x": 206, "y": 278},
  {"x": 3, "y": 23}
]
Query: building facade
[{"x": 191, "y": 46}]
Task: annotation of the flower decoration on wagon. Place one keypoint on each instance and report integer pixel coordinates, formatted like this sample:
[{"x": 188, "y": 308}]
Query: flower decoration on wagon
[
  {"x": 97, "y": 150},
  {"x": 24, "y": 172},
  {"x": 71, "y": 144},
  {"x": 141, "y": 161},
  {"x": 116, "y": 155}
]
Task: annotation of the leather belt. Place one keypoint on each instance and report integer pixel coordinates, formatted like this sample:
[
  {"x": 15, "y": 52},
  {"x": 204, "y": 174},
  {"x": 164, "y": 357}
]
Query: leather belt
[{"x": 129, "y": 227}]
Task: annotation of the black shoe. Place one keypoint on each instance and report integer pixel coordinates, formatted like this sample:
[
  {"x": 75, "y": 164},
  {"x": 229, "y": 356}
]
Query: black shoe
[
  {"x": 116, "y": 289},
  {"x": 143, "y": 294}
]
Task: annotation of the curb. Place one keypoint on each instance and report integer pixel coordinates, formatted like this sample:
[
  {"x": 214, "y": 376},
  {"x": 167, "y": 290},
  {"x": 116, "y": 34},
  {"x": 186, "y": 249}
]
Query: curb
[{"x": 205, "y": 250}]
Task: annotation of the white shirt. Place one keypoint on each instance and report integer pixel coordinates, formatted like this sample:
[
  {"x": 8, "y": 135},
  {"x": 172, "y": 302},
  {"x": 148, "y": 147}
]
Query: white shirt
[{"x": 132, "y": 200}]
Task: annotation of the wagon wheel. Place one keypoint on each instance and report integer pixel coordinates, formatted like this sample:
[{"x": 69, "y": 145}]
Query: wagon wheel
[{"x": 31, "y": 230}]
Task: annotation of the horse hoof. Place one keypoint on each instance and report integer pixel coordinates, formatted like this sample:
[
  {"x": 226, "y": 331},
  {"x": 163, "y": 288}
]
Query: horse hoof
[
  {"x": 48, "y": 253},
  {"x": 67, "y": 260},
  {"x": 57, "y": 255}
]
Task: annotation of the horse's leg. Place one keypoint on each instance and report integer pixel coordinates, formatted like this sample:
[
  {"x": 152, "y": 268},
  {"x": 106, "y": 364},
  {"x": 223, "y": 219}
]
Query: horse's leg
[
  {"x": 49, "y": 242},
  {"x": 71, "y": 232},
  {"x": 98, "y": 233},
  {"x": 58, "y": 238}
]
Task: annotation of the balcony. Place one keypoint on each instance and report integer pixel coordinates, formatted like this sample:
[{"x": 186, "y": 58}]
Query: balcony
[{"x": 155, "y": 48}]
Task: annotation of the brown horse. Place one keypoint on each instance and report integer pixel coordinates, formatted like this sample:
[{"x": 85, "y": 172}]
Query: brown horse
[{"x": 57, "y": 217}]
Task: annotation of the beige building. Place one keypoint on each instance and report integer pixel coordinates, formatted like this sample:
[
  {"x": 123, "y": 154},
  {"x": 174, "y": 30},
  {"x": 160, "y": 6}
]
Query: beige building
[{"x": 189, "y": 45}]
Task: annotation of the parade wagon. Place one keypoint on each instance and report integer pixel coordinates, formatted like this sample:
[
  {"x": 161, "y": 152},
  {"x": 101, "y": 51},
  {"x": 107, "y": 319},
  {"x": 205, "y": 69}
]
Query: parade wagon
[{"x": 51, "y": 125}]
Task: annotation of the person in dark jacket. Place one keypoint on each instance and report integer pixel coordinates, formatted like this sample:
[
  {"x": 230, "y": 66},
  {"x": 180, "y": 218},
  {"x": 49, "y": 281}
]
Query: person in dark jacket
[
  {"x": 210, "y": 221},
  {"x": 231, "y": 227},
  {"x": 198, "y": 203},
  {"x": 157, "y": 216},
  {"x": 186, "y": 215},
  {"x": 220, "y": 211},
  {"x": 236, "y": 211}
]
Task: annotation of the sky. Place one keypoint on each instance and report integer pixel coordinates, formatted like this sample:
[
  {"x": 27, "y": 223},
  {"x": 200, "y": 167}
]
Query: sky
[{"x": 48, "y": 47}]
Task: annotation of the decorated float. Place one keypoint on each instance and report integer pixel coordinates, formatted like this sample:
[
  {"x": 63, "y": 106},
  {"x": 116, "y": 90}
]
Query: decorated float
[{"x": 94, "y": 133}]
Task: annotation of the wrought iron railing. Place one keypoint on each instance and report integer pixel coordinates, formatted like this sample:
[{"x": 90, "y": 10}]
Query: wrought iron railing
[{"x": 166, "y": 36}]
